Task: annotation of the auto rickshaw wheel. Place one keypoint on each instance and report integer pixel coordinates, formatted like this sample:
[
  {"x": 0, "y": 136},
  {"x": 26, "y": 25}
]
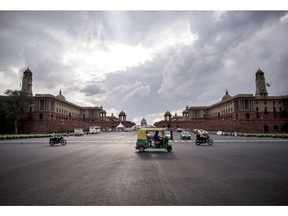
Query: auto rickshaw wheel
[
  {"x": 169, "y": 148},
  {"x": 141, "y": 149}
]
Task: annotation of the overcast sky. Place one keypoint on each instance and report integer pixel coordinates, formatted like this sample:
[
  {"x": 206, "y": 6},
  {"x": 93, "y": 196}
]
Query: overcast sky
[{"x": 144, "y": 62}]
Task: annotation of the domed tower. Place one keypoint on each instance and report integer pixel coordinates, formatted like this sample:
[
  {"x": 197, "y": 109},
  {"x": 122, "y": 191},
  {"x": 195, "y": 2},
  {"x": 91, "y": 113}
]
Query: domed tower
[
  {"x": 226, "y": 96},
  {"x": 260, "y": 84},
  {"x": 167, "y": 116},
  {"x": 143, "y": 122},
  {"x": 122, "y": 116},
  {"x": 60, "y": 96},
  {"x": 27, "y": 82},
  {"x": 185, "y": 113}
]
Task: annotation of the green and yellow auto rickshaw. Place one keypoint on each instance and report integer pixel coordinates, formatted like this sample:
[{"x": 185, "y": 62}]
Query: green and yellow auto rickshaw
[{"x": 146, "y": 139}]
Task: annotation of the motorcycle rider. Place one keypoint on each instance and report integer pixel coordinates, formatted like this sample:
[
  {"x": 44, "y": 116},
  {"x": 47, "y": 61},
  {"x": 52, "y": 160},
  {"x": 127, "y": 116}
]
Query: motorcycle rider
[
  {"x": 201, "y": 135},
  {"x": 55, "y": 135}
]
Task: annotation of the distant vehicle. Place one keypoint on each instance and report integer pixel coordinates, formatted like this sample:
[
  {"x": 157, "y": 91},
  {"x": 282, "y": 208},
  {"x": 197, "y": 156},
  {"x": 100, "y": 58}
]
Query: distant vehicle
[
  {"x": 94, "y": 129},
  {"x": 220, "y": 133},
  {"x": 185, "y": 135},
  {"x": 150, "y": 134},
  {"x": 205, "y": 139},
  {"x": 56, "y": 140},
  {"x": 179, "y": 129},
  {"x": 78, "y": 132},
  {"x": 167, "y": 134}
]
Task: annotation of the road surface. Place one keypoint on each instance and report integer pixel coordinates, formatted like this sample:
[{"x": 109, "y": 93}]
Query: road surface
[{"x": 105, "y": 169}]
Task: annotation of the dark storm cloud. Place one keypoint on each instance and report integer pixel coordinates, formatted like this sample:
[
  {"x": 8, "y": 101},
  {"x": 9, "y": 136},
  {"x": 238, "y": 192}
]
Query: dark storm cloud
[
  {"x": 224, "y": 40},
  {"x": 93, "y": 89}
]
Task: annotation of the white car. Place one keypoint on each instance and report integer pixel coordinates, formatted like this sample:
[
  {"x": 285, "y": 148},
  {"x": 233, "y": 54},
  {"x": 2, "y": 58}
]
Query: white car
[
  {"x": 168, "y": 134},
  {"x": 185, "y": 135},
  {"x": 220, "y": 133}
]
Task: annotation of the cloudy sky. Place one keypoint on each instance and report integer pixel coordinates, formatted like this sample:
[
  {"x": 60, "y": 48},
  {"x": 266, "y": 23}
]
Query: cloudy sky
[{"x": 144, "y": 62}]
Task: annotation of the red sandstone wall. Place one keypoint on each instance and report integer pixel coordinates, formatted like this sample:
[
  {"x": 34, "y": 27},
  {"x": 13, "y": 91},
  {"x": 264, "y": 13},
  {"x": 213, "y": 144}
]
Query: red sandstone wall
[
  {"x": 46, "y": 126},
  {"x": 255, "y": 125}
]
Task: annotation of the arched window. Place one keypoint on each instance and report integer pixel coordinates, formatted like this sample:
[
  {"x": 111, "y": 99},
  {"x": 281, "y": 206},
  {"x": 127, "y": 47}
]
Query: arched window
[{"x": 40, "y": 116}]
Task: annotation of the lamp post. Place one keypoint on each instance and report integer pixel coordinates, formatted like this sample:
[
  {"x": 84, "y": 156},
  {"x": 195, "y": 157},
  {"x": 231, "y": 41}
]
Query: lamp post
[
  {"x": 263, "y": 118},
  {"x": 61, "y": 125},
  {"x": 234, "y": 125}
]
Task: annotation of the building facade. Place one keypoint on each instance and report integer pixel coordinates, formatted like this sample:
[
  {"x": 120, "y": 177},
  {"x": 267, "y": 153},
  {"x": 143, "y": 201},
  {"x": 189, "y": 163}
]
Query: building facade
[
  {"x": 242, "y": 112},
  {"x": 50, "y": 113}
]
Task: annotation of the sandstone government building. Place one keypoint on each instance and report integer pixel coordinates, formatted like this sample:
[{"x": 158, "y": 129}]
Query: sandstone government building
[
  {"x": 242, "y": 113},
  {"x": 50, "y": 113}
]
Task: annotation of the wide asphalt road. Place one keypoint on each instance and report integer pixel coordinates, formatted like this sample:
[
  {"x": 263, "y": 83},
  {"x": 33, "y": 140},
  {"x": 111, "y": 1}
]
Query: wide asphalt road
[{"x": 105, "y": 169}]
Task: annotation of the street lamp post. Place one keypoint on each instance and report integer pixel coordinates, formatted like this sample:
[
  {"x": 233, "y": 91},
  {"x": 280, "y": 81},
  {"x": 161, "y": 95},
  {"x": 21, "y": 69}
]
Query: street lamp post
[
  {"x": 61, "y": 126},
  {"x": 263, "y": 118},
  {"x": 234, "y": 125}
]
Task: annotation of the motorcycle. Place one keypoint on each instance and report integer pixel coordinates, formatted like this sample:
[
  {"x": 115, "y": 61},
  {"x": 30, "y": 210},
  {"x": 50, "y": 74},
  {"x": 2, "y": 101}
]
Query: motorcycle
[
  {"x": 56, "y": 140},
  {"x": 201, "y": 140}
]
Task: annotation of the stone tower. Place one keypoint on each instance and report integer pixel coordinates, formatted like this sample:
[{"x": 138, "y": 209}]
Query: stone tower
[
  {"x": 143, "y": 122},
  {"x": 122, "y": 116},
  {"x": 27, "y": 82},
  {"x": 260, "y": 84}
]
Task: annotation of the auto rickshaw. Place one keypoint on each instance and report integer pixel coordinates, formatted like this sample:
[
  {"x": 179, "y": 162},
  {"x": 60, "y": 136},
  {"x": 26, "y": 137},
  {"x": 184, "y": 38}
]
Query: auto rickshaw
[{"x": 146, "y": 141}]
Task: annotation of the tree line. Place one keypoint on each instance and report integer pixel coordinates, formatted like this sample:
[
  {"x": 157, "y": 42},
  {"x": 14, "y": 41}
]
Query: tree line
[{"x": 13, "y": 105}]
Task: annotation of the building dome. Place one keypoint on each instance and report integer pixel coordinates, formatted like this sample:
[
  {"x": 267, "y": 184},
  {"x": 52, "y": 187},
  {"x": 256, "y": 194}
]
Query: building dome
[
  {"x": 60, "y": 96},
  {"x": 259, "y": 71},
  {"x": 185, "y": 111},
  {"x": 226, "y": 96},
  {"x": 122, "y": 113},
  {"x": 28, "y": 70},
  {"x": 143, "y": 122},
  {"x": 167, "y": 113}
]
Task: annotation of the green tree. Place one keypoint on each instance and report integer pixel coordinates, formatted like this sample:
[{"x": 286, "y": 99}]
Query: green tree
[{"x": 12, "y": 107}]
